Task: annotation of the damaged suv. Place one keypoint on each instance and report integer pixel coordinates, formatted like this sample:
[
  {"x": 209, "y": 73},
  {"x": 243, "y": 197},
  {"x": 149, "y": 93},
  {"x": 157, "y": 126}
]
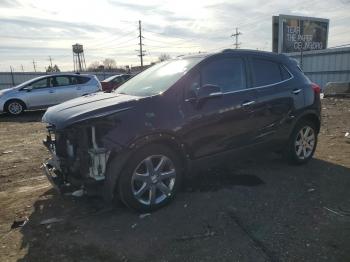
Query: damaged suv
[{"x": 138, "y": 142}]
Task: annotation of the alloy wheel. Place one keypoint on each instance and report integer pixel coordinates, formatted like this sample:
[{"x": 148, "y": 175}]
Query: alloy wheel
[
  {"x": 153, "y": 180},
  {"x": 305, "y": 142},
  {"x": 15, "y": 108}
]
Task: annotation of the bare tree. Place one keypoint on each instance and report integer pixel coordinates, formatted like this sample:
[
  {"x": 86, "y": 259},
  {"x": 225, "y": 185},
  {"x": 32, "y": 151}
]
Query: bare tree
[
  {"x": 164, "y": 57},
  {"x": 109, "y": 63},
  {"x": 51, "y": 69},
  {"x": 94, "y": 66}
]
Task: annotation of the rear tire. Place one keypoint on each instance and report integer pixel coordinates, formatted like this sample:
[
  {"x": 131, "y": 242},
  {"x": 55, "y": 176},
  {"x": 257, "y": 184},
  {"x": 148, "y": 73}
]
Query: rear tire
[
  {"x": 15, "y": 107},
  {"x": 151, "y": 178},
  {"x": 302, "y": 143}
]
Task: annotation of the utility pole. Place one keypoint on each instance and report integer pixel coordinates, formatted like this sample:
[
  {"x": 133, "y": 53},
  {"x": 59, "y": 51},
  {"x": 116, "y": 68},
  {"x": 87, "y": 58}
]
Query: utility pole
[
  {"x": 302, "y": 46},
  {"x": 142, "y": 54},
  {"x": 22, "y": 68},
  {"x": 50, "y": 61},
  {"x": 12, "y": 77},
  {"x": 34, "y": 65},
  {"x": 236, "y": 35}
]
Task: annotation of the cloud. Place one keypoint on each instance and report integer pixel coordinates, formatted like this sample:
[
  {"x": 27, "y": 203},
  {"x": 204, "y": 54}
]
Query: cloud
[
  {"x": 8, "y": 3},
  {"x": 109, "y": 28}
]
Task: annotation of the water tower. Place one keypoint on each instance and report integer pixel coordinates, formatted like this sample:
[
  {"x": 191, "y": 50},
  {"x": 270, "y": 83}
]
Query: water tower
[{"x": 78, "y": 58}]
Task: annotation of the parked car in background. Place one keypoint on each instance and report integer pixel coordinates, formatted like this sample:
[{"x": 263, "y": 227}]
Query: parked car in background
[
  {"x": 113, "y": 82},
  {"x": 45, "y": 91},
  {"x": 138, "y": 142}
]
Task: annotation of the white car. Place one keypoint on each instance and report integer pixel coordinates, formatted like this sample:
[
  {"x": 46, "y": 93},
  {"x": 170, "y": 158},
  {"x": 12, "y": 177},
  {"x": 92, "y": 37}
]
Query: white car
[{"x": 45, "y": 91}]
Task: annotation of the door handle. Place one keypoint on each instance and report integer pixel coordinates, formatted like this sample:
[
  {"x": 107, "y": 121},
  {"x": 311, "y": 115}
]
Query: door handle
[
  {"x": 248, "y": 103},
  {"x": 296, "y": 91}
]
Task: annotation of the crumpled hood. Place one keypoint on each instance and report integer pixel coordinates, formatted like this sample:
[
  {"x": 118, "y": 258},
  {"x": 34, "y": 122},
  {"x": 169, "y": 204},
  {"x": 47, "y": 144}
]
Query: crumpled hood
[{"x": 86, "y": 107}]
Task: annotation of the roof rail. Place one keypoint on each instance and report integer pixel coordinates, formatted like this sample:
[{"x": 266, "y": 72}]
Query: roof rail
[{"x": 227, "y": 50}]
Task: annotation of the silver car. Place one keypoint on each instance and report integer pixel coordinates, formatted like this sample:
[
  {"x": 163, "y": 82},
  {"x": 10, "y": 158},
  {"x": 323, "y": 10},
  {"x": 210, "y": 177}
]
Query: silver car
[{"x": 45, "y": 91}]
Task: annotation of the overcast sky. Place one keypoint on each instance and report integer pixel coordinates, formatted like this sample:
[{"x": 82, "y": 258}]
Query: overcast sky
[{"x": 37, "y": 29}]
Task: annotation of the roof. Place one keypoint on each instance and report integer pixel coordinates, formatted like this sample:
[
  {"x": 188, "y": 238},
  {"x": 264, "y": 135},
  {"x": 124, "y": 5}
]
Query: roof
[{"x": 238, "y": 51}]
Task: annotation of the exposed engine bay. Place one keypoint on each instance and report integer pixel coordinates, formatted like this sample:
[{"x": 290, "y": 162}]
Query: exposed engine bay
[{"x": 78, "y": 156}]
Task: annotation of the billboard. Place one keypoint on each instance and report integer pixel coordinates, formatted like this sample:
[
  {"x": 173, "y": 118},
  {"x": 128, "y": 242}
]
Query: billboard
[{"x": 298, "y": 33}]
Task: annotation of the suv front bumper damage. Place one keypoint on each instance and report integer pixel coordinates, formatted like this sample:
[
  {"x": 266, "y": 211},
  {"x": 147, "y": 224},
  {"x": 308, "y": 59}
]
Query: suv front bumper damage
[{"x": 77, "y": 161}]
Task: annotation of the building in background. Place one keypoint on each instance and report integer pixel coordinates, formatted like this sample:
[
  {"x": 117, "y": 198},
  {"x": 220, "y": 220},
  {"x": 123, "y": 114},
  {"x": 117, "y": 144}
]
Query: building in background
[
  {"x": 306, "y": 40},
  {"x": 324, "y": 66}
]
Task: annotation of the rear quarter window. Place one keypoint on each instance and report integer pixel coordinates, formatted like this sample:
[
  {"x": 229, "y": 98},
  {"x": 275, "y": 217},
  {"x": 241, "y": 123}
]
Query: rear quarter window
[
  {"x": 82, "y": 79},
  {"x": 267, "y": 72}
]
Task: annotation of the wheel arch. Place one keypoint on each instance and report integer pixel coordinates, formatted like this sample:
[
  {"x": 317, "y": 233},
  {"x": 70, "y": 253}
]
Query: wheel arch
[
  {"x": 313, "y": 117},
  {"x": 118, "y": 159},
  {"x": 14, "y": 99}
]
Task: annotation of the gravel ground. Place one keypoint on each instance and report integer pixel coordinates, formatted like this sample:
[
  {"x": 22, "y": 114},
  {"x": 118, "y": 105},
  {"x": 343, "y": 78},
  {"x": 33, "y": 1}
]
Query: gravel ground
[{"x": 257, "y": 209}]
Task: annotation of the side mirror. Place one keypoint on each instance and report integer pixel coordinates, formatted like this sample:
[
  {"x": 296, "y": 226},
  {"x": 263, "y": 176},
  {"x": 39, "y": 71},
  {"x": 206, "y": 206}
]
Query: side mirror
[
  {"x": 28, "y": 88},
  {"x": 209, "y": 91}
]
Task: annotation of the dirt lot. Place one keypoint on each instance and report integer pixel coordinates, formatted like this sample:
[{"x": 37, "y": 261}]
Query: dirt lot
[{"x": 259, "y": 209}]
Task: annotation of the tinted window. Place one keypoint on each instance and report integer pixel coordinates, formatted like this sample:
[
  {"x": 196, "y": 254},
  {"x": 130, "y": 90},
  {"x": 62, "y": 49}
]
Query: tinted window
[
  {"x": 285, "y": 74},
  {"x": 126, "y": 77},
  {"x": 81, "y": 79},
  {"x": 227, "y": 73},
  {"x": 61, "y": 81},
  {"x": 192, "y": 83},
  {"x": 265, "y": 72},
  {"x": 118, "y": 80},
  {"x": 42, "y": 83}
]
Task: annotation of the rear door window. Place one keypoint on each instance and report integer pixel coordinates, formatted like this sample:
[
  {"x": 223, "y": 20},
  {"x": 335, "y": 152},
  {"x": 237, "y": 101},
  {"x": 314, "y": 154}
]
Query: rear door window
[
  {"x": 61, "y": 81},
  {"x": 267, "y": 72},
  {"x": 227, "y": 73},
  {"x": 81, "y": 79}
]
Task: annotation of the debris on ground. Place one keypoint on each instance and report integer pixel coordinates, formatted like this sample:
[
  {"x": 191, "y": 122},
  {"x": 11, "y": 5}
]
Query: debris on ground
[
  {"x": 144, "y": 215},
  {"x": 311, "y": 190},
  {"x": 78, "y": 193},
  {"x": 196, "y": 236},
  {"x": 51, "y": 220},
  {"x": 347, "y": 135},
  {"x": 19, "y": 223},
  {"x": 134, "y": 225},
  {"x": 7, "y": 152}
]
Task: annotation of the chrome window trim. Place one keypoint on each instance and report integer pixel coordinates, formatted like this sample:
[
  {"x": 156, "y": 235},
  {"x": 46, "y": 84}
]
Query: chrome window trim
[
  {"x": 264, "y": 86},
  {"x": 257, "y": 87}
]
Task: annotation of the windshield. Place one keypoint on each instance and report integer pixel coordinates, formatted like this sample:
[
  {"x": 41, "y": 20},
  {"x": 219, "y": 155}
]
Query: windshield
[
  {"x": 110, "y": 78},
  {"x": 158, "y": 78},
  {"x": 28, "y": 82}
]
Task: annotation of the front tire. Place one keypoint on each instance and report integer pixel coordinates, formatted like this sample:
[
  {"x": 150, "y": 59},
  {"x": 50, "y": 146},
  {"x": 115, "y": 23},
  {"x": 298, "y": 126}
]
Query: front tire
[
  {"x": 151, "y": 178},
  {"x": 302, "y": 143},
  {"x": 15, "y": 107}
]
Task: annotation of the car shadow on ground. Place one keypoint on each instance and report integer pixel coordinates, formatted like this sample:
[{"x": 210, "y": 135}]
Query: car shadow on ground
[
  {"x": 27, "y": 116},
  {"x": 257, "y": 210}
]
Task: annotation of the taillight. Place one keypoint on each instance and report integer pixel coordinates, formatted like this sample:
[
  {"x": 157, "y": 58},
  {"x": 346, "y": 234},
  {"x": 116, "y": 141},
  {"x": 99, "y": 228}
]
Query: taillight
[{"x": 316, "y": 88}]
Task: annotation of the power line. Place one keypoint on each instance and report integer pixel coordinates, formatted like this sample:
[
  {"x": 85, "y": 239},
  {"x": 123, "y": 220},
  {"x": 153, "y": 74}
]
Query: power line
[{"x": 111, "y": 39}]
